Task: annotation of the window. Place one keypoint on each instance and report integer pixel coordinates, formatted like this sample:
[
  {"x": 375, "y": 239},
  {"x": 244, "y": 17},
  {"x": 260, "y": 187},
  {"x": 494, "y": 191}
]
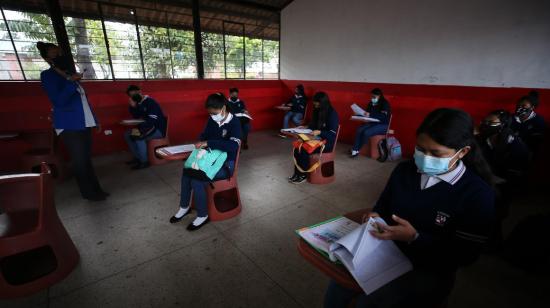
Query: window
[
  {"x": 27, "y": 29},
  {"x": 212, "y": 51},
  {"x": 155, "y": 45},
  {"x": 234, "y": 50},
  {"x": 183, "y": 53},
  {"x": 88, "y": 47},
  {"x": 9, "y": 66},
  {"x": 270, "y": 59},
  {"x": 254, "y": 58}
]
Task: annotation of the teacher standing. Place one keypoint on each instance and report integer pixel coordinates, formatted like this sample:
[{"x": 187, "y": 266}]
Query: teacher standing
[{"x": 73, "y": 117}]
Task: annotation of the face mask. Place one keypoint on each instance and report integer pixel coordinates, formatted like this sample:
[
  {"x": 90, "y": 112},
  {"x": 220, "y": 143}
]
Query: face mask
[
  {"x": 234, "y": 99},
  {"x": 521, "y": 111},
  {"x": 136, "y": 98},
  {"x": 217, "y": 117},
  {"x": 432, "y": 165},
  {"x": 374, "y": 100},
  {"x": 63, "y": 63}
]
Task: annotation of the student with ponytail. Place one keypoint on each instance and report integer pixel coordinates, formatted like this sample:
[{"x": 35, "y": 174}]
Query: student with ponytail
[{"x": 440, "y": 212}]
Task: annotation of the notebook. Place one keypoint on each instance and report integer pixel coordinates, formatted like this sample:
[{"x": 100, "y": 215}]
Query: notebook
[
  {"x": 297, "y": 130},
  {"x": 177, "y": 149},
  {"x": 239, "y": 115},
  {"x": 132, "y": 121},
  {"x": 363, "y": 118},
  {"x": 321, "y": 235},
  {"x": 372, "y": 262}
]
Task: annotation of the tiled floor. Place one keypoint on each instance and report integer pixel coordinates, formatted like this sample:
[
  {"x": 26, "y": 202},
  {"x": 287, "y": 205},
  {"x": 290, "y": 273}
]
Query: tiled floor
[{"x": 132, "y": 257}]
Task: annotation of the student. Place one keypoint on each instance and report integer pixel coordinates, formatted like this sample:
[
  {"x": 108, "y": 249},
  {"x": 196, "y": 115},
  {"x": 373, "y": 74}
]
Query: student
[
  {"x": 222, "y": 132},
  {"x": 236, "y": 106},
  {"x": 528, "y": 125},
  {"x": 439, "y": 208},
  {"x": 143, "y": 107},
  {"x": 73, "y": 117},
  {"x": 506, "y": 154},
  {"x": 324, "y": 124},
  {"x": 297, "y": 104},
  {"x": 378, "y": 108}
]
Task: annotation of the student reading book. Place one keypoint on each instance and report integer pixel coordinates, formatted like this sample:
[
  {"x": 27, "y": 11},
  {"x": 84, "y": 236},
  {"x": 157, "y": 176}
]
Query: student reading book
[{"x": 440, "y": 213}]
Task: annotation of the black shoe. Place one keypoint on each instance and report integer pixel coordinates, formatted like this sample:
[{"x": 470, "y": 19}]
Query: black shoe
[
  {"x": 134, "y": 161},
  {"x": 174, "y": 219},
  {"x": 96, "y": 198},
  {"x": 140, "y": 166},
  {"x": 300, "y": 179},
  {"x": 353, "y": 155},
  {"x": 192, "y": 227},
  {"x": 106, "y": 194},
  {"x": 292, "y": 178},
  {"x": 245, "y": 146}
]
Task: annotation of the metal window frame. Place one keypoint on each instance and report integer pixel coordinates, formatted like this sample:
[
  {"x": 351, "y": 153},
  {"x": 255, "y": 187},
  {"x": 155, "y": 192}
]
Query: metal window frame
[
  {"x": 225, "y": 52},
  {"x": 13, "y": 44}
]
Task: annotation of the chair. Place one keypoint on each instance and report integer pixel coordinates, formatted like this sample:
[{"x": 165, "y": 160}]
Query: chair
[
  {"x": 35, "y": 249},
  {"x": 43, "y": 149},
  {"x": 370, "y": 149},
  {"x": 154, "y": 144},
  {"x": 325, "y": 173},
  {"x": 223, "y": 196}
]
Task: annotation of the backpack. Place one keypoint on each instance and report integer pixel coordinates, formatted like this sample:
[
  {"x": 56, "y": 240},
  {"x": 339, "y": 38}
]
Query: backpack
[
  {"x": 389, "y": 148},
  {"x": 204, "y": 164}
]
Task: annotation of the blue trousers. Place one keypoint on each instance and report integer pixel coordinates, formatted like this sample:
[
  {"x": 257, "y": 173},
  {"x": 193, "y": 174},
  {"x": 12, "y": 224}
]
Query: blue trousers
[
  {"x": 417, "y": 288},
  {"x": 364, "y": 132},
  {"x": 296, "y": 117},
  {"x": 138, "y": 147},
  {"x": 198, "y": 187}
]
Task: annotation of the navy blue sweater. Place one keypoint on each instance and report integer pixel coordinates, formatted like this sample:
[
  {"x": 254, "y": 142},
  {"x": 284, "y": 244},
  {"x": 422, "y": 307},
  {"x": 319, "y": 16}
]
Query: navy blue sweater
[
  {"x": 150, "y": 111},
  {"x": 237, "y": 106},
  {"x": 328, "y": 129},
  {"x": 531, "y": 131},
  {"x": 453, "y": 221},
  {"x": 298, "y": 104},
  {"x": 380, "y": 111},
  {"x": 225, "y": 138}
]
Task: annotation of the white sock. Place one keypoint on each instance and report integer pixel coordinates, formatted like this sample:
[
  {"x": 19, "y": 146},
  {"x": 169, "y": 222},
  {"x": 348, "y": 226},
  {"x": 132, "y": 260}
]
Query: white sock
[
  {"x": 353, "y": 152},
  {"x": 199, "y": 220},
  {"x": 182, "y": 211}
]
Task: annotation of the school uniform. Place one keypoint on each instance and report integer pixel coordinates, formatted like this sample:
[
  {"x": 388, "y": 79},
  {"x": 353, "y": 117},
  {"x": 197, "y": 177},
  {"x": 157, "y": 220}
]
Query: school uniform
[
  {"x": 381, "y": 111},
  {"x": 508, "y": 159},
  {"x": 531, "y": 131},
  {"x": 328, "y": 129},
  {"x": 297, "y": 110},
  {"x": 73, "y": 119},
  {"x": 453, "y": 214},
  {"x": 226, "y": 137},
  {"x": 238, "y": 106},
  {"x": 154, "y": 127}
]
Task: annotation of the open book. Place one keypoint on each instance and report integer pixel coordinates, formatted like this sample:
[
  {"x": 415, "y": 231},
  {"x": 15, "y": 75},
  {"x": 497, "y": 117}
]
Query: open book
[
  {"x": 177, "y": 149},
  {"x": 322, "y": 235},
  {"x": 239, "y": 115},
  {"x": 297, "y": 130},
  {"x": 372, "y": 262},
  {"x": 359, "y": 114},
  {"x": 132, "y": 121}
]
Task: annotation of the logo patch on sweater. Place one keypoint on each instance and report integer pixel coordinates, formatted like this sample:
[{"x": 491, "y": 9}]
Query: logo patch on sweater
[
  {"x": 441, "y": 218},
  {"x": 224, "y": 133}
]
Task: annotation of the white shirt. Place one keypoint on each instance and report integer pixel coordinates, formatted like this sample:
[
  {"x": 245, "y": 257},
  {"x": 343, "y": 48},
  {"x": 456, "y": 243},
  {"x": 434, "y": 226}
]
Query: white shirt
[
  {"x": 88, "y": 115},
  {"x": 427, "y": 181}
]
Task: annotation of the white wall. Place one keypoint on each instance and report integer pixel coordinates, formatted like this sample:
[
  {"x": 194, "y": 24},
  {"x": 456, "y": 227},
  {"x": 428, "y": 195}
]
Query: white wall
[{"x": 451, "y": 42}]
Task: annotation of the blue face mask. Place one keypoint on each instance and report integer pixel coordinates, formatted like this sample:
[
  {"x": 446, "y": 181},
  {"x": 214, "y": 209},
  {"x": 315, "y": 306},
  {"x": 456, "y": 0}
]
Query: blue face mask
[{"x": 431, "y": 165}]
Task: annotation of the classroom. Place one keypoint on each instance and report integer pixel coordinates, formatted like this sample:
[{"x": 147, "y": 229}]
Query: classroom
[{"x": 274, "y": 153}]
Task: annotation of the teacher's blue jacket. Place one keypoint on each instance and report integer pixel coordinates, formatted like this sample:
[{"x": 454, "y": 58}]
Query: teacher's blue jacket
[{"x": 68, "y": 112}]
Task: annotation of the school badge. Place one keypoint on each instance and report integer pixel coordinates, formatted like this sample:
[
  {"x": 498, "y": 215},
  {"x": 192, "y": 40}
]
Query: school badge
[
  {"x": 441, "y": 218},
  {"x": 224, "y": 133}
]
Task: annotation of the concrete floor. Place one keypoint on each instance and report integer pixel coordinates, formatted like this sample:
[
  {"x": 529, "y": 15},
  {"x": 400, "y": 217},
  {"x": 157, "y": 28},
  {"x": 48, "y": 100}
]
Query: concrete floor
[{"x": 132, "y": 257}]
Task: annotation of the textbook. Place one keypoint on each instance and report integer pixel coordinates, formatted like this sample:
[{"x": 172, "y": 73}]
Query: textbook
[
  {"x": 320, "y": 236},
  {"x": 357, "y": 110},
  {"x": 372, "y": 262},
  {"x": 177, "y": 149},
  {"x": 364, "y": 119},
  {"x": 297, "y": 130},
  {"x": 132, "y": 121},
  {"x": 240, "y": 115}
]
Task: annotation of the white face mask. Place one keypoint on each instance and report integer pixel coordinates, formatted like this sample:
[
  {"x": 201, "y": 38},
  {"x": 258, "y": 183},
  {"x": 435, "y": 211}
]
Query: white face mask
[
  {"x": 217, "y": 117},
  {"x": 374, "y": 100}
]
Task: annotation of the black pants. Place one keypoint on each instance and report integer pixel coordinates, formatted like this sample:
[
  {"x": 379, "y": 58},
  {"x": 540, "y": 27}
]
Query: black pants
[{"x": 79, "y": 145}]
